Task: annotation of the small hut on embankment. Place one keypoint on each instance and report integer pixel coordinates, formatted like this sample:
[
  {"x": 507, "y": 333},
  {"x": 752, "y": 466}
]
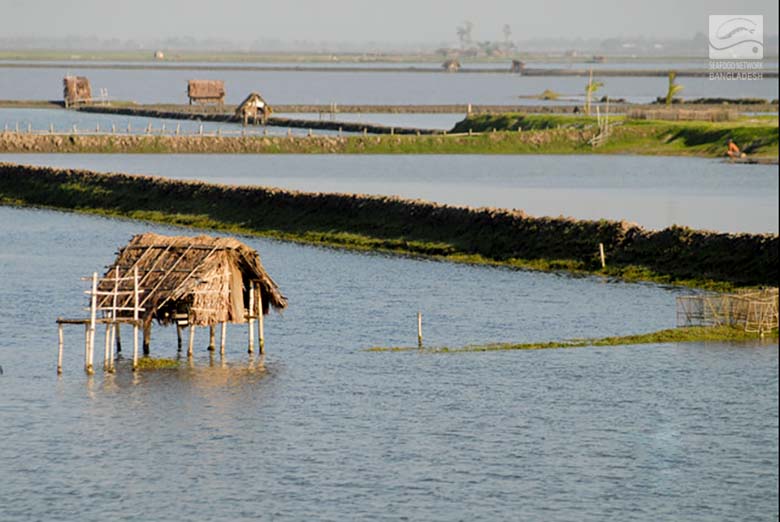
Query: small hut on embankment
[
  {"x": 187, "y": 281},
  {"x": 253, "y": 106},
  {"x": 451, "y": 65},
  {"x": 206, "y": 91},
  {"x": 76, "y": 90}
]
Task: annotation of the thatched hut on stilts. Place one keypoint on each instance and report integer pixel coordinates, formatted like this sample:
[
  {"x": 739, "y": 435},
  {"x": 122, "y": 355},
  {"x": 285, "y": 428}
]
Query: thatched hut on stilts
[
  {"x": 253, "y": 106},
  {"x": 187, "y": 281},
  {"x": 206, "y": 91},
  {"x": 76, "y": 90}
]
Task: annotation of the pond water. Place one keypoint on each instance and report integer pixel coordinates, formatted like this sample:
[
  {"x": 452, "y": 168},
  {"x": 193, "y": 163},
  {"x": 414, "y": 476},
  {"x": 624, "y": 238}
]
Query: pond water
[
  {"x": 655, "y": 192},
  {"x": 318, "y": 87},
  {"x": 64, "y": 121},
  {"x": 441, "y": 121},
  {"x": 320, "y": 429}
]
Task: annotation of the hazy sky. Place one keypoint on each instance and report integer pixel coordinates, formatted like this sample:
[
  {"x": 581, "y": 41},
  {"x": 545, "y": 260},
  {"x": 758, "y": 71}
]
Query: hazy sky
[{"x": 368, "y": 20}]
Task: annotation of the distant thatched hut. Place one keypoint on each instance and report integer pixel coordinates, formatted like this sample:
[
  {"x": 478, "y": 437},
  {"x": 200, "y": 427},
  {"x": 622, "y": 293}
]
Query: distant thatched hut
[
  {"x": 517, "y": 66},
  {"x": 201, "y": 281},
  {"x": 206, "y": 91},
  {"x": 253, "y": 106},
  {"x": 451, "y": 65},
  {"x": 76, "y": 90}
]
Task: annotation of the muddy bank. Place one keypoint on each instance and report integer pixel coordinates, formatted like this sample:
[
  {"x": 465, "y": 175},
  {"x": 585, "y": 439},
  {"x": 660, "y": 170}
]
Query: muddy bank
[
  {"x": 273, "y": 121},
  {"x": 406, "y": 226}
]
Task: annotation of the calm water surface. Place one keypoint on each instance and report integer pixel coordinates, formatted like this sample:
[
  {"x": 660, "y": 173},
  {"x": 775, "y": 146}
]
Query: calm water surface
[
  {"x": 323, "y": 430},
  {"x": 62, "y": 121},
  {"x": 317, "y": 87},
  {"x": 653, "y": 191}
]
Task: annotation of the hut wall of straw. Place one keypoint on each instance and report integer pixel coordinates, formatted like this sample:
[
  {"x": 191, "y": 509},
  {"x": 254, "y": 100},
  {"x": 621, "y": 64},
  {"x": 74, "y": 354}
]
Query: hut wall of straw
[{"x": 76, "y": 89}]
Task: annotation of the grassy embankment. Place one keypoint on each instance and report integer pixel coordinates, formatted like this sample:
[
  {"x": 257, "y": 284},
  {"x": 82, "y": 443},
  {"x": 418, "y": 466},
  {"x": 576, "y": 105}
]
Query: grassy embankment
[
  {"x": 394, "y": 225},
  {"x": 541, "y": 134},
  {"x": 756, "y": 135},
  {"x": 673, "y": 335}
]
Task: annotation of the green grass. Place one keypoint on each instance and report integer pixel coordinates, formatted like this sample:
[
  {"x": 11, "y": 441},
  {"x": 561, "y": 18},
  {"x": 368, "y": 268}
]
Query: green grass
[
  {"x": 673, "y": 335},
  {"x": 159, "y": 363}
]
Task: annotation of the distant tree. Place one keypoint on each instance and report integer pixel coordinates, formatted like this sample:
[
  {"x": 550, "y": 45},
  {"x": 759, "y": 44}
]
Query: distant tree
[
  {"x": 464, "y": 34},
  {"x": 673, "y": 89},
  {"x": 590, "y": 90},
  {"x": 507, "y": 30}
]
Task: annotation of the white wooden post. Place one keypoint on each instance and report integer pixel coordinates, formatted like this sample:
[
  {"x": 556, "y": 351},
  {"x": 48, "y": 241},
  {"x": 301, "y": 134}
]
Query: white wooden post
[
  {"x": 419, "y": 329},
  {"x": 603, "y": 258},
  {"x": 260, "y": 327},
  {"x": 92, "y": 320},
  {"x": 107, "y": 346},
  {"x": 192, "y": 340},
  {"x": 223, "y": 338},
  {"x": 250, "y": 320},
  {"x": 60, "y": 348},
  {"x": 135, "y": 318}
]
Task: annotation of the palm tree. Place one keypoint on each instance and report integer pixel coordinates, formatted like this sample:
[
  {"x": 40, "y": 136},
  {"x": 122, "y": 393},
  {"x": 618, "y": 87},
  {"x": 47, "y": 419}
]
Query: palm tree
[
  {"x": 673, "y": 88},
  {"x": 590, "y": 90}
]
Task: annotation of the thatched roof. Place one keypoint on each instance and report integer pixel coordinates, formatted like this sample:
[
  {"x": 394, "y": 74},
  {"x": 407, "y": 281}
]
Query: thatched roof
[
  {"x": 206, "y": 89},
  {"x": 251, "y": 103},
  {"x": 451, "y": 65},
  {"x": 206, "y": 277}
]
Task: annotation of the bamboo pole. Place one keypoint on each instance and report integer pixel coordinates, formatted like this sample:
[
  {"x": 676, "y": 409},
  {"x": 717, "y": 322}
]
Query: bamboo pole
[
  {"x": 147, "y": 337},
  {"x": 178, "y": 337},
  {"x": 135, "y": 318},
  {"x": 603, "y": 258},
  {"x": 113, "y": 326},
  {"x": 60, "y": 346},
  {"x": 86, "y": 345},
  {"x": 260, "y": 326},
  {"x": 419, "y": 330},
  {"x": 92, "y": 319},
  {"x": 192, "y": 340},
  {"x": 118, "y": 338},
  {"x": 223, "y": 338},
  {"x": 107, "y": 347},
  {"x": 250, "y": 320},
  {"x": 212, "y": 344}
]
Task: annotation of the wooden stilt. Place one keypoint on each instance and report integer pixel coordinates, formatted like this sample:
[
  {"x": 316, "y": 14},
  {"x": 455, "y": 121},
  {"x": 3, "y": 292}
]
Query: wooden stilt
[
  {"x": 178, "y": 337},
  {"x": 118, "y": 338},
  {"x": 135, "y": 318},
  {"x": 107, "y": 347},
  {"x": 92, "y": 324},
  {"x": 250, "y": 318},
  {"x": 223, "y": 338},
  {"x": 147, "y": 335},
  {"x": 114, "y": 327},
  {"x": 260, "y": 327},
  {"x": 212, "y": 344},
  {"x": 60, "y": 347},
  {"x": 192, "y": 340},
  {"x": 601, "y": 253},
  {"x": 419, "y": 330},
  {"x": 86, "y": 346}
]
